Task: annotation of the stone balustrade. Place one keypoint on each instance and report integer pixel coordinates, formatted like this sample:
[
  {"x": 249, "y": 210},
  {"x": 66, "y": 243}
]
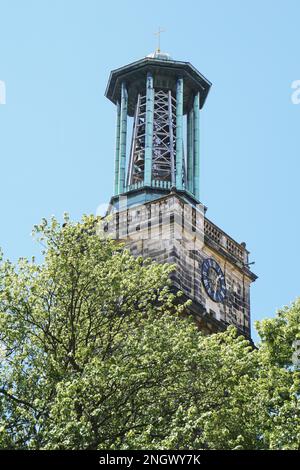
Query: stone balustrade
[{"x": 237, "y": 250}]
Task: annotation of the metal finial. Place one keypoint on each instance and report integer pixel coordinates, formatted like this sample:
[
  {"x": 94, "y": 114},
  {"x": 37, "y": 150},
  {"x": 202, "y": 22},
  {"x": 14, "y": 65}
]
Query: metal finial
[{"x": 158, "y": 33}]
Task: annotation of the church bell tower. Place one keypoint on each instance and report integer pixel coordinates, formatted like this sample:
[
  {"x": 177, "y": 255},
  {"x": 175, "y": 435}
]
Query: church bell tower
[{"x": 156, "y": 208}]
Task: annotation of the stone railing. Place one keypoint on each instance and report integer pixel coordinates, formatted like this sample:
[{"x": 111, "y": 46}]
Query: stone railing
[{"x": 213, "y": 233}]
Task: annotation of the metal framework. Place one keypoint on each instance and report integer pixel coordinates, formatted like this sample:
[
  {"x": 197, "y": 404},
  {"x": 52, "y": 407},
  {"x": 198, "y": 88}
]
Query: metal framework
[
  {"x": 163, "y": 140},
  {"x": 137, "y": 152}
]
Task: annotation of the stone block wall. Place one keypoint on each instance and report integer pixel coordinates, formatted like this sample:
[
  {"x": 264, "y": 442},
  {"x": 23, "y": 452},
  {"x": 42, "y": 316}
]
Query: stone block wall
[{"x": 173, "y": 231}]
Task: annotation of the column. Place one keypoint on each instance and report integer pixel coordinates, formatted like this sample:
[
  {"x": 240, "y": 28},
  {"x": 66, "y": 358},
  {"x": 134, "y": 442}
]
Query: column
[
  {"x": 196, "y": 145},
  {"x": 117, "y": 154},
  {"x": 123, "y": 135},
  {"x": 179, "y": 132},
  {"x": 190, "y": 157},
  {"x": 173, "y": 176},
  {"x": 149, "y": 130}
]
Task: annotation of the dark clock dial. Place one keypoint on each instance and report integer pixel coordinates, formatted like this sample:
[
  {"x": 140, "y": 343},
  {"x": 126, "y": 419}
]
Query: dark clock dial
[{"x": 213, "y": 280}]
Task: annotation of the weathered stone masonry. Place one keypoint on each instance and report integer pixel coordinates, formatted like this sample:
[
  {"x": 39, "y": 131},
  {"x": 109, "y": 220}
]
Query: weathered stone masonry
[{"x": 170, "y": 230}]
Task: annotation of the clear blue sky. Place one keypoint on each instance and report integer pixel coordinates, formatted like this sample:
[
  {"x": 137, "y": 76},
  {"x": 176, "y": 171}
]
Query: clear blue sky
[{"x": 57, "y": 129}]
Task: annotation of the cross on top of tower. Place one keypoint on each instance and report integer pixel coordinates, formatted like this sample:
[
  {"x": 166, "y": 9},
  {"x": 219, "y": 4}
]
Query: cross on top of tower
[{"x": 158, "y": 33}]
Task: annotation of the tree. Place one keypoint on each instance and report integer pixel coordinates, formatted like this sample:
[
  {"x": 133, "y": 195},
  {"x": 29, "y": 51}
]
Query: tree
[{"x": 97, "y": 353}]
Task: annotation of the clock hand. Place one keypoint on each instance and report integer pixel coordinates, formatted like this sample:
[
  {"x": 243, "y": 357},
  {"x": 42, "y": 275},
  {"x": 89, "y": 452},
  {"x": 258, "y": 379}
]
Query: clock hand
[{"x": 216, "y": 283}]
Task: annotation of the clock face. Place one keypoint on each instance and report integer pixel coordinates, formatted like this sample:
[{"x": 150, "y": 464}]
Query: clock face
[{"x": 213, "y": 280}]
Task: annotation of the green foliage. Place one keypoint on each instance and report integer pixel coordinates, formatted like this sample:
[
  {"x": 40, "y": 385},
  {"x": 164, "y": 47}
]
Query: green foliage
[{"x": 96, "y": 352}]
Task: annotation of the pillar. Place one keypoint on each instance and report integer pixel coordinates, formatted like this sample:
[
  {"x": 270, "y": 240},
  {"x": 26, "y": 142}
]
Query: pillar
[
  {"x": 117, "y": 154},
  {"x": 149, "y": 130},
  {"x": 190, "y": 156},
  {"x": 196, "y": 142},
  {"x": 123, "y": 136},
  {"x": 179, "y": 132}
]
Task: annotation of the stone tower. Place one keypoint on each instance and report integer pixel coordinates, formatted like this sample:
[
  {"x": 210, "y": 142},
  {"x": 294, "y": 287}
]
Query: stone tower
[{"x": 156, "y": 208}]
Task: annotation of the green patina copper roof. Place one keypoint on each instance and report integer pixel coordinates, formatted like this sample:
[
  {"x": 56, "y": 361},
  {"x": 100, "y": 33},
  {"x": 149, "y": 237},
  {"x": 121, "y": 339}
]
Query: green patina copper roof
[{"x": 165, "y": 71}]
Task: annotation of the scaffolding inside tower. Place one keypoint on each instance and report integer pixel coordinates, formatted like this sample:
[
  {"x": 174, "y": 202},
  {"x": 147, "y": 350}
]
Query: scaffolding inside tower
[{"x": 164, "y": 139}]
